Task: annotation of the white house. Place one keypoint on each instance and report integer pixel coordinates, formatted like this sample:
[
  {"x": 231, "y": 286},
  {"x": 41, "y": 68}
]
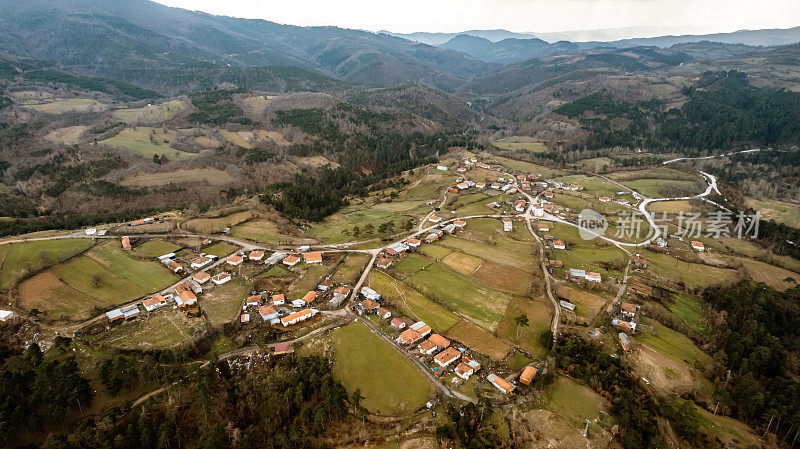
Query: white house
[
  {"x": 154, "y": 303},
  {"x": 508, "y": 226},
  {"x": 221, "y": 278},
  {"x": 370, "y": 293}
]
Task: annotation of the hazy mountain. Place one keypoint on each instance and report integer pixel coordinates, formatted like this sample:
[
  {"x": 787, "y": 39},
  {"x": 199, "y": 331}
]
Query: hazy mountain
[
  {"x": 441, "y": 38},
  {"x": 134, "y": 38},
  {"x": 506, "y": 51},
  {"x": 770, "y": 37}
]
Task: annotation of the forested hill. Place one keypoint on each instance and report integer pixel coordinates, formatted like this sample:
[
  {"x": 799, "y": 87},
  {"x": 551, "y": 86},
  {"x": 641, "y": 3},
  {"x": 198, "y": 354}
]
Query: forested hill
[
  {"x": 723, "y": 111},
  {"x": 143, "y": 42}
]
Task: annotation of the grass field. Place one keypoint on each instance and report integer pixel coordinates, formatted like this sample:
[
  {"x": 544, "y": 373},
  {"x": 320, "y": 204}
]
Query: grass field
[
  {"x": 277, "y": 271},
  {"x": 156, "y": 113},
  {"x": 95, "y": 279},
  {"x": 462, "y": 263},
  {"x": 435, "y": 251},
  {"x": 262, "y": 231},
  {"x": 652, "y": 187},
  {"x": 587, "y": 305},
  {"x": 730, "y": 431},
  {"x": 787, "y": 213},
  {"x": 64, "y": 105},
  {"x": 517, "y": 360},
  {"x": 213, "y": 225},
  {"x": 502, "y": 250},
  {"x": 771, "y": 275},
  {"x": 349, "y": 270},
  {"x": 221, "y": 249},
  {"x": 412, "y": 303},
  {"x": 412, "y": 263},
  {"x": 309, "y": 280},
  {"x": 68, "y": 135},
  {"x": 210, "y": 175},
  {"x": 151, "y": 275},
  {"x": 235, "y": 139},
  {"x": 585, "y": 254},
  {"x": 154, "y": 248},
  {"x": 576, "y": 402},
  {"x": 361, "y": 358},
  {"x": 524, "y": 167},
  {"x": 23, "y": 259},
  {"x": 146, "y": 142},
  {"x": 461, "y": 294},
  {"x": 538, "y": 313},
  {"x": 671, "y": 207},
  {"x": 673, "y": 344},
  {"x": 222, "y": 303},
  {"x": 503, "y": 278},
  {"x": 55, "y": 299},
  {"x": 166, "y": 329},
  {"x": 520, "y": 143},
  {"x": 478, "y": 340},
  {"x": 691, "y": 274},
  {"x": 654, "y": 173},
  {"x": 691, "y": 311},
  {"x": 594, "y": 185}
]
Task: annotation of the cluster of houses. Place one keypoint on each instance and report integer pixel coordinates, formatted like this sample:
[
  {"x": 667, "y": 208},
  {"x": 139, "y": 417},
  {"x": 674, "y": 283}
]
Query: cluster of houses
[
  {"x": 626, "y": 320},
  {"x": 621, "y": 201},
  {"x": 276, "y": 309}
]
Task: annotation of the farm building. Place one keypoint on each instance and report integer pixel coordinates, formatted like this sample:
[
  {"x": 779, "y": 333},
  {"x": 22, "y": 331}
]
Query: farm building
[
  {"x": 234, "y": 260},
  {"x": 543, "y": 227},
  {"x": 528, "y": 374},
  {"x": 126, "y": 243},
  {"x": 275, "y": 258},
  {"x": 142, "y": 221},
  {"x": 310, "y": 297},
  {"x": 698, "y": 246},
  {"x": 200, "y": 262},
  {"x": 114, "y": 315},
  {"x": 594, "y": 277},
  {"x": 383, "y": 262},
  {"x": 370, "y": 293},
  {"x": 313, "y": 257},
  {"x": 254, "y": 300},
  {"x": 297, "y": 303},
  {"x": 279, "y": 299},
  {"x": 325, "y": 285},
  {"x": 434, "y": 219},
  {"x": 567, "y": 305},
  {"x": 398, "y": 323},
  {"x": 555, "y": 263},
  {"x": 221, "y": 278},
  {"x": 639, "y": 261},
  {"x": 628, "y": 325},
  {"x": 624, "y": 341},
  {"x": 605, "y": 199},
  {"x": 439, "y": 341},
  {"x": 298, "y": 317},
  {"x": 480, "y": 185},
  {"x": 339, "y": 295},
  {"x": 508, "y": 226},
  {"x": 291, "y": 261},
  {"x": 422, "y": 328},
  {"x": 576, "y": 273},
  {"x": 154, "y": 303},
  {"x": 500, "y": 383},
  {"x": 447, "y": 357},
  {"x": 131, "y": 311},
  {"x": 175, "y": 267},
  {"x": 459, "y": 223},
  {"x": 256, "y": 256}
]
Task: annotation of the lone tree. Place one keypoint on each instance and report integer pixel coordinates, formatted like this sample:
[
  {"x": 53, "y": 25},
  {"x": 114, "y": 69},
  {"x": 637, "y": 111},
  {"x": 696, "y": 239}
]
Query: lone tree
[{"x": 521, "y": 320}]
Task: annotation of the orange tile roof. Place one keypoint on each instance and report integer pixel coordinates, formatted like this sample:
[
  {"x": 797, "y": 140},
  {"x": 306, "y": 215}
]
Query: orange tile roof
[
  {"x": 235, "y": 260},
  {"x": 279, "y": 297},
  {"x": 255, "y": 255},
  {"x": 266, "y": 310},
  {"x": 409, "y": 336},
  {"x": 200, "y": 276},
  {"x": 153, "y": 301},
  {"x": 447, "y": 356},
  {"x": 291, "y": 260},
  {"x": 439, "y": 341},
  {"x": 528, "y": 374},
  {"x": 426, "y": 346},
  {"x": 255, "y": 299},
  {"x": 314, "y": 256},
  {"x": 342, "y": 290},
  {"x": 310, "y": 296}
]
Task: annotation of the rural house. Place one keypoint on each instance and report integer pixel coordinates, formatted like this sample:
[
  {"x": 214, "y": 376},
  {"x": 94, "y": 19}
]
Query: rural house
[
  {"x": 298, "y": 317},
  {"x": 408, "y": 337},
  {"x": 628, "y": 310},
  {"x": 310, "y": 297},
  {"x": 126, "y": 243},
  {"x": 221, "y": 278},
  {"x": 256, "y": 256},
  {"x": 439, "y": 341},
  {"x": 412, "y": 242},
  {"x": 313, "y": 257},
  {"x": 627, "y": 325},
  {"x": 559, "y": 244},
  {"x": 325, "y": 285},
  {"x": 234, "y": 260},
  {"x": 268, "y": 313},
  {"x": 200, "y": 262},
  {"x": 244, "y": 318},
  {"x": 508, "y": 226},
  {"x": 398, "y": 323},
  {"x": 698, "y": 246},
  {"x": 175, "y": 267},
  {"x": 201, "y": 277},
  {"x": 593, "y": 277},
  {"x": 467, "y": 367},
  {"x": 434, "y": 219},
  {"x": 447, "y": 356},
  {"x": 427, "y": 348},
  {"x": 279, "y": 299},
  {"x": 422, "y": 328},
  {"x": 370, "y": 293},
  {"x": 383, "y": 313},
  {"x": 254, "y": 300},
  {"x": 154, "y": 303},
  {"x": 291, "y": 261},
  {"x": 368, "y": 306}
]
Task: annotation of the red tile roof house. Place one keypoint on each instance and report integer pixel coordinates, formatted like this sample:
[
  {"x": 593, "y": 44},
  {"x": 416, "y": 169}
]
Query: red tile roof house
[
  {"x": 698, "y": 246},
  {"x": 384, "y": 313},
  {"x": 628, "y": 309},
  {"x": 267, "y": 312},
  {"x": 398, "y": 323},
  {"x": 528, "y": 374},
  {"x": 279, "y": 300},
  {"x": 154, "y": 303},
  {"x": 313, "y": 257},
  {"x": 383, "y": 262},
  {"x": 447, "y": 356},
  {"x": 559, "y": 244},
  {"x": 221, "y": 278},
  {"x": 256, "y": 256},
  {"x": 244, "y": 318},
  {"x": 254, "y": 300},
  {"x": 126, "y": 243},
  {"x": 427, "y": 348},
  {"x": 467, "y": 367},
  {"x": 298, "y": 317},
  {"x": 201, "y": 277},
  {"x": 368, "y": 306},
  {"x": 200, "y": 262},
  {"x": 175, "y": 267},
  {"x": 544, "y": 227},
  {"x": 412, "y": 242},
  {"x": 291, "y": 260},
  {"x": 234, "y": 260},
  {"x": 434, "y": 219},
  {"x": 408, "y": 337},
  {"x": 459, "y": 223},
  {"x": 594, "y": 277},
  {"x": 186, "y": 296}
]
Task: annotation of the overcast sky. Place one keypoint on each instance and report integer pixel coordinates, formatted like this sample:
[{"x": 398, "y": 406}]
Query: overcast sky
[{"x": 695, "y": 16}]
